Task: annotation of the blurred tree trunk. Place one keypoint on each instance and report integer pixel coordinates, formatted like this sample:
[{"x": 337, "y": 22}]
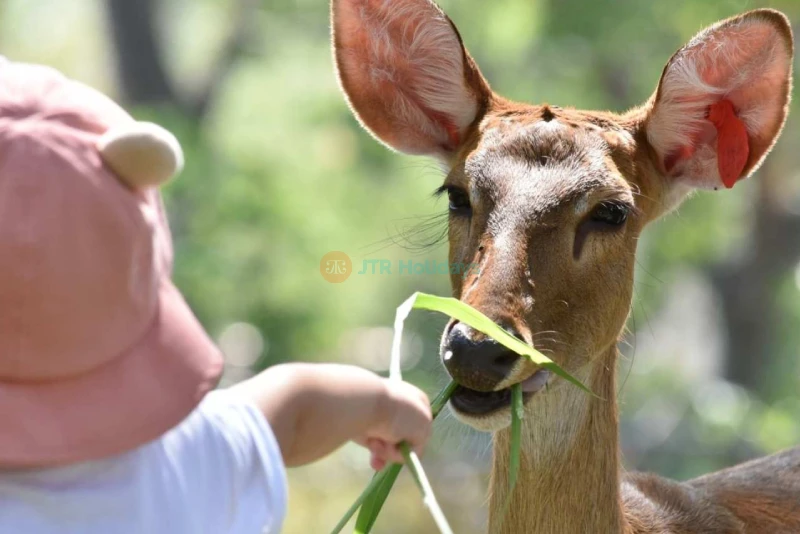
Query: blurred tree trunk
[
  {"x": 140, "y": 63},
  {"x": 143, "y": 74},
  {"x": 748, "y": 286}
]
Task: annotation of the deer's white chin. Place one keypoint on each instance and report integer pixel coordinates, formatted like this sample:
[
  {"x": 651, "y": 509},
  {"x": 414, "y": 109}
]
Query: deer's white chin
[{"x": 493, "y": 422}]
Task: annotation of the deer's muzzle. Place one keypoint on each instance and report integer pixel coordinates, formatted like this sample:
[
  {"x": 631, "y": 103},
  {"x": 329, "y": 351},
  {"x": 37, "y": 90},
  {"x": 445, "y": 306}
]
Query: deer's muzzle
[{"x": 475, "y": 361}]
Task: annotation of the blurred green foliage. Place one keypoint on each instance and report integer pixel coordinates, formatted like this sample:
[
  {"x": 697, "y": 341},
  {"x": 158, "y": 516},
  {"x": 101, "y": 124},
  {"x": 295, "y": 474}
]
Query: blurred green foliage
[{"x": 278, "y": 173}]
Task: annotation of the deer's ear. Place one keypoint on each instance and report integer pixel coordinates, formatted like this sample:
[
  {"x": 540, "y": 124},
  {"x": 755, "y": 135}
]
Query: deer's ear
[
  {"x": 722, "y": 100},
  {"x": 406, "y": 75}
]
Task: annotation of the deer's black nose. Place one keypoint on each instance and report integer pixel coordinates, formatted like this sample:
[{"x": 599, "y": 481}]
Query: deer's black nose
[{"x": 476, "y": 361}]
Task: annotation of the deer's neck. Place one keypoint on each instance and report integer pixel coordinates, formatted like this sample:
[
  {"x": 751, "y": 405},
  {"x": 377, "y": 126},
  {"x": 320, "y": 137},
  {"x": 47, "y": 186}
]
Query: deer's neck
[{"x": 569, "y": 473}]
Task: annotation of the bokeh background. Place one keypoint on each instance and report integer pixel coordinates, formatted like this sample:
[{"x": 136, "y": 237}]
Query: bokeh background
[{"x": 278, "y": 174}]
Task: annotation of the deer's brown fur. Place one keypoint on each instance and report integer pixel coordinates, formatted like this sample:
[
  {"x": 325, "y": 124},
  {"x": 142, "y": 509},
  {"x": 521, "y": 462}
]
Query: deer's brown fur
[{"x": 534, "y": 177}]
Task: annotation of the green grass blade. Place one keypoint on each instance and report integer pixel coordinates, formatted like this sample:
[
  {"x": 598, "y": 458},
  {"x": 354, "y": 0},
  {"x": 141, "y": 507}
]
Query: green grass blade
[
  {"x": 441, "y": 399},
  {"x": 469, "y": 315},
  {"x": 517, "y": 413},
  {"x": 369, "y": 491},
  {"x": 377, "y": 496},
  {"x": 515, "y": 449},
  {"x": 412, "y": 461},
  {"x": 428, "y": 497}
]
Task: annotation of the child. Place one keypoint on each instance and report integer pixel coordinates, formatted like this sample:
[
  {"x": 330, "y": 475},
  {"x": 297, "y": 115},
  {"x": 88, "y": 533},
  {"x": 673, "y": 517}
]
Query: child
[{"x": 106, "y": 420}]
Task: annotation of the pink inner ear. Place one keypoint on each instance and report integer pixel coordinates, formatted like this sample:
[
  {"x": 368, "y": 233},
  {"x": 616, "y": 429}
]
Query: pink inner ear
[
  {"x": 446, "y": 122},
  {"x": 722, "y": 99},
  {"x": 733, "y": 146},
  {"x": 683, "y": 153},
  {"x": 403, "y": 68}
]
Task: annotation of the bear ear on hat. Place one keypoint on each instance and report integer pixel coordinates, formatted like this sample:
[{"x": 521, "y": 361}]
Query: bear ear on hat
[{"x": 142, "y": 154}]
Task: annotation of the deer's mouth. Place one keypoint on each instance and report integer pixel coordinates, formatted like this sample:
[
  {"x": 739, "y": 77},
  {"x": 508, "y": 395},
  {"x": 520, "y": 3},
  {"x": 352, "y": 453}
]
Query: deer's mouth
[{"x": 470, "y": 402}]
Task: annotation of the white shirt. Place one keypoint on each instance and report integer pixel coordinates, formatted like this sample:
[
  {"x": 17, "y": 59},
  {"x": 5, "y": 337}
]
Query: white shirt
[{"x": 219, "y": 471}]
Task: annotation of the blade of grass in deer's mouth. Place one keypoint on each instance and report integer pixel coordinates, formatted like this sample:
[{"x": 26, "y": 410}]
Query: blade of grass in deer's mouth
[{"x": 466, "y": 314}]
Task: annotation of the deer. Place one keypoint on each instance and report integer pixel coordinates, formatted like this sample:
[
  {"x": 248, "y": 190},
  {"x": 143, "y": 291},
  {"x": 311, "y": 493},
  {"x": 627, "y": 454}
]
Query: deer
[{"x": 548, "y": 203}]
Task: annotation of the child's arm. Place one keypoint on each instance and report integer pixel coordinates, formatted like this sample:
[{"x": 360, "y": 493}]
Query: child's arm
[{"x": 315, "y": 408}]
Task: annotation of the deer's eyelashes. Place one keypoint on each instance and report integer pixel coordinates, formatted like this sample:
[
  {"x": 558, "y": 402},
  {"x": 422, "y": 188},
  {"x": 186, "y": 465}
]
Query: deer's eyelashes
[
  {"x": 607, "y": 216},
  {"x": 458, "y": 199},
  {"x": 610, "y": 213}
]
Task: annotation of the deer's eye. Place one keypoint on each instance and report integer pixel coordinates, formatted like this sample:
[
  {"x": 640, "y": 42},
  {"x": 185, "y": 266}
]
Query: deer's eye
[
  {"x": 610, "y": 213},
  {"x": 458, "y": 200}
]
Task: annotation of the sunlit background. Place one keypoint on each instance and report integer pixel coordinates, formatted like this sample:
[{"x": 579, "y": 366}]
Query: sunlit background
[{"x": 278, "y": 174}]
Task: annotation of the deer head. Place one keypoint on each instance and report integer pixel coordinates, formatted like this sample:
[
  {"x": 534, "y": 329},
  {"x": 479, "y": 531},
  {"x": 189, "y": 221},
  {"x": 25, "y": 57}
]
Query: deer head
[{"x": 549, "y": 202}]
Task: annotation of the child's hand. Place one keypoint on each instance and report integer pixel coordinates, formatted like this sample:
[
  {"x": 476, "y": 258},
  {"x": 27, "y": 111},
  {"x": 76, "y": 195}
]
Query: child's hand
[
  {"x": 403, "y": 414},
  {"x": 315, "y": 408}
]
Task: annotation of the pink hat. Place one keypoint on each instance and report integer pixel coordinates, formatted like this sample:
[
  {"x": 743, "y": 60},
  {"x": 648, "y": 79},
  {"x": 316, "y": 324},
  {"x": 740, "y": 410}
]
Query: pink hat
[{"x": 99, "y": 353}]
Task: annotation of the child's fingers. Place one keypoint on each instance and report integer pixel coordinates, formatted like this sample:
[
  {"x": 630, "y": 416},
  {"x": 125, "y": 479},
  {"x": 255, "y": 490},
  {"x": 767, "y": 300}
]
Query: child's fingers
[
  {"x": 377, "y": 463},
  {"x": 394, "y": 455},
  {"x": 404, "y": 416},
  {"x": 389, "y": 452},
  {"x": 418, "y": 427},
  {"x": 382, "y": 453},
  {"x": 377, "y": 450},
  {"x": 411, "y": 418},
  {"x": 376, "y": 447}
]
